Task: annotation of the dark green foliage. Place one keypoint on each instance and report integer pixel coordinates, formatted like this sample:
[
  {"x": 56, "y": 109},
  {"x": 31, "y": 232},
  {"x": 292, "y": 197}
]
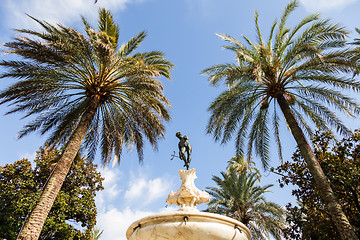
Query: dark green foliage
[
  {"x": 21, "y": 184},
  {"x": 238, "y": 195},
  {"x": 340, "y": 161}
]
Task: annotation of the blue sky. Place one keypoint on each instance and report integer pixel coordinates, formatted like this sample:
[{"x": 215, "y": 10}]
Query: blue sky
[{"x": 185, "y": 31}]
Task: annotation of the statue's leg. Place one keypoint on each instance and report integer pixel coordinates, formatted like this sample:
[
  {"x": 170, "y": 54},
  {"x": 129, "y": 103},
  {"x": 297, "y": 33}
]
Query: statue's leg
[
  {"x": 182, "y": 156},
  {"x": 188, "y": 160}
]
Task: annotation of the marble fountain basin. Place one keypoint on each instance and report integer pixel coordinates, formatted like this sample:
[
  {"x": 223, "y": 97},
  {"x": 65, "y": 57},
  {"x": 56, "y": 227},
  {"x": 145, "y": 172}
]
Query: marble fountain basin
[{"x": 183, "y": 225}]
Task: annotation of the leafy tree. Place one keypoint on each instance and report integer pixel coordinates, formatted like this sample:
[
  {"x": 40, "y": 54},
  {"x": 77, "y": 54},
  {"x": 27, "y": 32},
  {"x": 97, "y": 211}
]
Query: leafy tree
[
  {"x": 238, "y": 196},
  {"x": 20, "y": 185},
  {"x": 85, "y": 89},
  {"x": 340, "y": 161},
  {"x": 301, "y": 70}
]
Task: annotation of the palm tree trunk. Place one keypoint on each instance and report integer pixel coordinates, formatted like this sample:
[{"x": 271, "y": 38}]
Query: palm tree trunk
[
  {"x": 35, "y": 222},
  {"x": 322, "y": 184}
]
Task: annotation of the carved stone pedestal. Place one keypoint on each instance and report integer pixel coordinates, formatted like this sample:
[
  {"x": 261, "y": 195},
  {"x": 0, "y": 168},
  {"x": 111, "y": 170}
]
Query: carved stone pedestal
[{"x": 188, "y": 195}]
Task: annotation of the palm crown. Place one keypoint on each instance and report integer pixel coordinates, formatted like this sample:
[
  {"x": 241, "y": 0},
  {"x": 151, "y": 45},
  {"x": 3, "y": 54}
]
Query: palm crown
[
  {"x": 65, "y": 73},
  {"x": 238, "y": 196},
  {"x": 239, "y": 164},
  {"x": 305, "y": 68}
]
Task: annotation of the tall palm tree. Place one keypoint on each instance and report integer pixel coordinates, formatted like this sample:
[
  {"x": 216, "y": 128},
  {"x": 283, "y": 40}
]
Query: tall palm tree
[
  {"x": 302, "y": 71},
  {"x": 238, "y": 196},
  {"x": 87, "y": 91}
]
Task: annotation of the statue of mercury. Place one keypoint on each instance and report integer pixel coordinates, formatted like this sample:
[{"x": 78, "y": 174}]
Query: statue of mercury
[{"x": 184, "y": 146}]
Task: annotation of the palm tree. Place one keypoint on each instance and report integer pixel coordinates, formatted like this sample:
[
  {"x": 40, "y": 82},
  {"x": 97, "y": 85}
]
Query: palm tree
[
  {"x": 87, "y": 91},
  {"x": 302, "y": 71},
  {"x": 238, "y": 196}
]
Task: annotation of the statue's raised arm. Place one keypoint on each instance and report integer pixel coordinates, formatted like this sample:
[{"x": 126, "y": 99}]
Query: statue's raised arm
[{"x": 184, "y": 146}]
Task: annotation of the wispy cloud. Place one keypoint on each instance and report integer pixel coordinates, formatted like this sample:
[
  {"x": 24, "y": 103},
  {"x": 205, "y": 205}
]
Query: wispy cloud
[
  {"x": 137, "y": 190},
  {"x": 203, "y": 7},
  {"x": 115, "y": 222},
  {"x": 325, "y": 5},
  {"x": 104, "y": 199},
  {"x": 144, "y": 190},
  {"x": 120, "y": 205},
  {"x": 54, "y": 11}
]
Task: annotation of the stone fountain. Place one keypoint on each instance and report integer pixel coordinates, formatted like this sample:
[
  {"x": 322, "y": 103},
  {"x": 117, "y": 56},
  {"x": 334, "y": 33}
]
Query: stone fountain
[{"x": 188, "y": 223}]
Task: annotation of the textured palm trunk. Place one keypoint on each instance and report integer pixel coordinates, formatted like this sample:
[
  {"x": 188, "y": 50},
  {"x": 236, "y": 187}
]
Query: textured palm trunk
[
  {"x": 35, "y": 222},
  {"x": 334, "y": 208}
]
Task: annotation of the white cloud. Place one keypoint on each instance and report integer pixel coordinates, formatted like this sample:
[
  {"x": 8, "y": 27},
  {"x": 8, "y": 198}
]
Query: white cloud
[
  {"x": 54, "y": 11},
  {"x": 203, "y": 7},
  {"x": 137, "y": 190},
  {"x": 324, "y": 5},
  {"x": 111, "y": 190},
  {"x": 115, "y": 222},
  {"x": 137, "y": 187},
  {"x": 117, "y": 211},
  {"x": 144, "y": 190}
]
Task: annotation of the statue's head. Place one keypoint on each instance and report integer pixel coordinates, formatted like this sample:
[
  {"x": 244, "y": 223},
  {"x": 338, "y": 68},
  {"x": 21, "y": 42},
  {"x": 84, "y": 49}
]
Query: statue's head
[{"x": 178, "y": 134}]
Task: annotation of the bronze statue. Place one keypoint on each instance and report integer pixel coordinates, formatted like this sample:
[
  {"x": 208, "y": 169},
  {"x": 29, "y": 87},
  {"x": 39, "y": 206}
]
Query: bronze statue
[{"x": 184, "y": 146}]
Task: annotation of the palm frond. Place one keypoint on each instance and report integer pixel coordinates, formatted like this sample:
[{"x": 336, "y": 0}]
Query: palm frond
[
  {"x": 107, "y": 25},
  {"x": 132, "y": 44}
]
